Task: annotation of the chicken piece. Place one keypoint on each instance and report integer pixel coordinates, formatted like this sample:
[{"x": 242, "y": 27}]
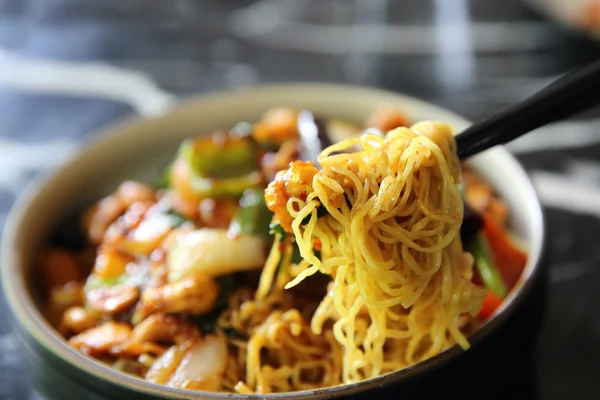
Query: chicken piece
[
  {"x": 386, "y": 118},
  {"x": 140, "y": 230},
  {"x": 77, "y": 319},
  {"x": 217, "y": 213},
  {"x": 195, "y": 364},
  {"x": 106, "y": 211},
  {"x": 158, "y": 328},
  {"x": 295, "y": 182},
  {"x": 61, "y": 299},
  {"x": 195, "y": 294},
  {"x": 100, "y": 340},
  {"x": 278, "y": 125},
  {"x": 137, "y": 349},
  {"x": 164, "y": 328},
  {"x": 130, "y": 192},
  {"x": 99, "y": 216},
  {"x": 273, "y": 162},
  {"x": 111, "y": 263},
  {"x": 128, "y": 221},
  {"x": 112, "y": 299}
]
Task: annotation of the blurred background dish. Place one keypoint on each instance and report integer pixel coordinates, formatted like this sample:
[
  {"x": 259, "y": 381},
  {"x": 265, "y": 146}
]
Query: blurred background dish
[{"x": 70, "y": 67}]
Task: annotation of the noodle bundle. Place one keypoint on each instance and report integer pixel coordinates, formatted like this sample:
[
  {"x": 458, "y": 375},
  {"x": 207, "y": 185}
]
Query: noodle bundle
[
  {"x": 282, "y": 353},
  {"x": 390, "y": 241}
]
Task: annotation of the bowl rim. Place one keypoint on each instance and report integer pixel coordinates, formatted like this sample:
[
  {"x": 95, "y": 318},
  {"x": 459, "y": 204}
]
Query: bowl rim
[{"x": 28, "y": 316}]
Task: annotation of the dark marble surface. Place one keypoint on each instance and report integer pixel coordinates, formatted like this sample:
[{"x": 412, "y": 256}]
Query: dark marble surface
[{"x": 470, "y": 56}]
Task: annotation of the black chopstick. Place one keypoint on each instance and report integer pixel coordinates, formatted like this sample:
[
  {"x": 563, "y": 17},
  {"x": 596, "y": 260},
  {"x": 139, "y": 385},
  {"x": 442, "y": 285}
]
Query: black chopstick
[{"x": 574, "y": 92}]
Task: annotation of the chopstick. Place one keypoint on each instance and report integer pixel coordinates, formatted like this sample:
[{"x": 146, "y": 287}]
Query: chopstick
[{"x": 574, "y": 92}]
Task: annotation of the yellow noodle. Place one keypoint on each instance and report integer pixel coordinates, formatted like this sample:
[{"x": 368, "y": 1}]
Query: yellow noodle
[
  {"x": 390, "y": 243},
  {"x": 397, "y": 246}
]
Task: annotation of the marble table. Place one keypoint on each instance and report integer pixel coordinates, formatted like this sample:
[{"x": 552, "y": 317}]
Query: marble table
[{"x": 71, "y": 67}]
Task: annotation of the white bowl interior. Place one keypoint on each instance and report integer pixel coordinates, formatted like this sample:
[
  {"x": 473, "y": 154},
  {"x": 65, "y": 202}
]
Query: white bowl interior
[{"x": 140, "y": 149}]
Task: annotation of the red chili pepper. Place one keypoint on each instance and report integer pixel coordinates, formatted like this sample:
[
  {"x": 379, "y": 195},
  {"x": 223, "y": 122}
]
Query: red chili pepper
[
  {"x": 510, "y": 260},
  {"x": 317, "y": 244},
  {"x": 490, "y": 303}
]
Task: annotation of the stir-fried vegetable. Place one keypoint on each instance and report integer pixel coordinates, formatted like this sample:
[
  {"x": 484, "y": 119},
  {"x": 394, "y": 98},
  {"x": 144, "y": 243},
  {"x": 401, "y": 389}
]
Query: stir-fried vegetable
[
  {"x": 214, "y": 252},
  {"x": 253, "y": 216},
  {"x": 278, "y": 125},
  {"x": 164, "y": 181},
  {"x": 506, "y": 254},
  {"x": 212, "y": 187},
  {"x": 275, "y": 228},
  {"x": 486, "y": 267},
  {"x": 216, "y": 166},
  {"x": 196, "y": 365},
  {"x": 490, "y": 303},
  {"x": 219, "y": 155}
]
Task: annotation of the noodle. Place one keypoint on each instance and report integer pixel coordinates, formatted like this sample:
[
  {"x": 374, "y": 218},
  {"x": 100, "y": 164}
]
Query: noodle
[
  {"x": 390, "y": 241},
  {"x": 282, "y": 353}
]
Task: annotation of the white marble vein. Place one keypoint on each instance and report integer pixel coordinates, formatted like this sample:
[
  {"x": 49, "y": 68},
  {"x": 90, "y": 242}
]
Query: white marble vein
[
  {"x": 565, "y": 192},
  {"x": 89, "y": 79},
  {"x": 18, "y": 160},
  {"x": 584, "y": 171},
  {"x": 274, "y": 23},
  {"x": 559, "y": 136}
]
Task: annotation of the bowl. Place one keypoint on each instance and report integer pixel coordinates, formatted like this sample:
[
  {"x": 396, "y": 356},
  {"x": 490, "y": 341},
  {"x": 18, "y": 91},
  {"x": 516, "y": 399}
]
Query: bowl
[{"x": 139, "y": 149}]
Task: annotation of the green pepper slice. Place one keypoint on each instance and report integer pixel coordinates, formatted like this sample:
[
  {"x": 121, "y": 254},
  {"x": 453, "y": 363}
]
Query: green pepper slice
[
  {"x": 221, "y": 165},
  {"x": 490, "y": 274},
  {"x": 253, "y": 217}
]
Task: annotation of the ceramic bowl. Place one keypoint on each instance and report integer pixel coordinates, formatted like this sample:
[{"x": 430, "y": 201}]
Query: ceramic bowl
[{"x": 140, "y": 149}]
